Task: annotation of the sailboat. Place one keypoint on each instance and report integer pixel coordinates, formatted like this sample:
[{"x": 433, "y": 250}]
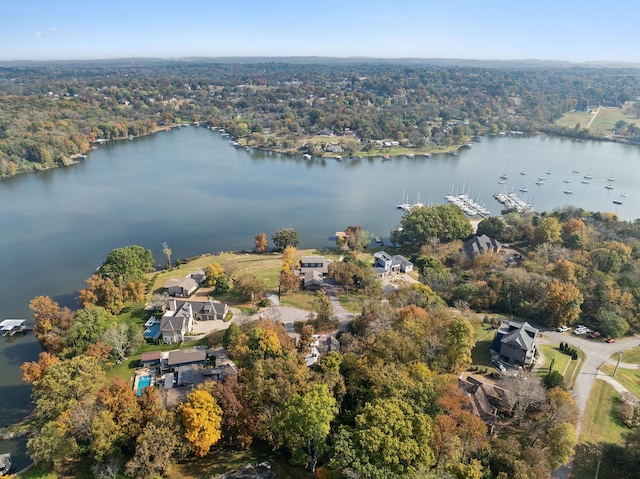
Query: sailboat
[{"x": 405, "y": 203}]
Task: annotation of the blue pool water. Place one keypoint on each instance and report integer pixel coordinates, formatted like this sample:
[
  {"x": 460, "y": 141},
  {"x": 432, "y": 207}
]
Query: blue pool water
[
  {"x": 152, "y": 332},
  {"x": 143, "y": 382}
]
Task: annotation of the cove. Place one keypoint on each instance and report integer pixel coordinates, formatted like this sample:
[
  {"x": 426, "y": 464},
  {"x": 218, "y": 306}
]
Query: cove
[{"x": 190, "y": 188}]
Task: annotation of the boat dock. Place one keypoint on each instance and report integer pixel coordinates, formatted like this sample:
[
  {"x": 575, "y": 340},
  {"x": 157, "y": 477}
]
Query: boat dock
[
  {"x": 9, "y": 327},
  {"x": 469, "y": 206},
  {"x": 512, "y": 202},
  {"x": 5, "y": 464}
]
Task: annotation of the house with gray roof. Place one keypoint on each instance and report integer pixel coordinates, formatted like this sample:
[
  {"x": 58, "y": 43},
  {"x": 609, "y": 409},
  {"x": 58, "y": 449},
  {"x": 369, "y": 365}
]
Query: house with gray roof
[
  {"x": 319, "y": 264},
  {"x": 181, "y": 287},
  {"x": 179, "y": 317},
  {"x": 481, "y": 244},
  {"x": 384, "y": 263},
  {"x": 515, "y": 343}
]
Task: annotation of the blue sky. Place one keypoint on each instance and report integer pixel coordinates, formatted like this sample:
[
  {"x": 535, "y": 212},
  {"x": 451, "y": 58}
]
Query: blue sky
[{"x": 491, "y": 29}]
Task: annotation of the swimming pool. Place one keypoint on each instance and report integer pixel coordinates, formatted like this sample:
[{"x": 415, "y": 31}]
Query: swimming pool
[{"x": 143, "y": 382}]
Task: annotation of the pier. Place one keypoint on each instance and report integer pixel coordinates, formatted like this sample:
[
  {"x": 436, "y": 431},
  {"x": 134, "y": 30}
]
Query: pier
[
  {"x": 468, "y": 205},
  {"x": 512, "y": 202}
]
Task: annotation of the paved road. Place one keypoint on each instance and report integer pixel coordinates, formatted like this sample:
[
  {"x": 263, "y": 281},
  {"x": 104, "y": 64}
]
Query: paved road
[{"x": 597, "y": 353}]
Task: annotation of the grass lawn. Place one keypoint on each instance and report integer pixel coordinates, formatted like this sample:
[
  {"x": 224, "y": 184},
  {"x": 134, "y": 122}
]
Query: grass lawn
[
  {"x": 352, "y": 302},
  {"x": 600, "y": 426},
  {"x": 126, "y": 369},
  {"x": 629, "y": 378},
  {"x": 480, "y": 355},
  {"x": 570, "y": 119},
  {"x": 629, "y": 356},
  {"x": 604, "y": 122},
  {"x": 223, "y": 460},
  {"x": 37, "y": 473},
  {"x": 561, "y": 363}
]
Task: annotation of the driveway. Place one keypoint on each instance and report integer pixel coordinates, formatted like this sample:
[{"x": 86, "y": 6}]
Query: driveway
[{"x": 597, "y": 353}]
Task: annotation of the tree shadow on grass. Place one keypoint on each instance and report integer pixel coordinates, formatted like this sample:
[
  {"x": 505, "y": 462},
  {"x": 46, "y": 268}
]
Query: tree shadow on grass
[{"x": 610, "y": 456}]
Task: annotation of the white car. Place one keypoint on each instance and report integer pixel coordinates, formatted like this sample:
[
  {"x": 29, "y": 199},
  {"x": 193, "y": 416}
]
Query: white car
[
  {"x": 579, "y": 331},
  {"x": 564, "y": 329}
]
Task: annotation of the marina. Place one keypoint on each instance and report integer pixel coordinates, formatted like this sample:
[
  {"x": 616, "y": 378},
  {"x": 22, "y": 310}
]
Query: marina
[
  {"x": 512, "y": 202},
  {"x": 469, "y": 206}
]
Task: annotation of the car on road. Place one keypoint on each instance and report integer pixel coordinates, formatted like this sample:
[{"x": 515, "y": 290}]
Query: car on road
[{"x": 610, "y": 340}]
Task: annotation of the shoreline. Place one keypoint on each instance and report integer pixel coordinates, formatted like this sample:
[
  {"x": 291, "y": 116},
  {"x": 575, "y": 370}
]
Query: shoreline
[{"x": 398, "y": 152}]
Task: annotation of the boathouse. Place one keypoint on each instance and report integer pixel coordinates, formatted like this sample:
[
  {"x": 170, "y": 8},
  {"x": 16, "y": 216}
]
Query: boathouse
[{"x": 9, "y": 327}]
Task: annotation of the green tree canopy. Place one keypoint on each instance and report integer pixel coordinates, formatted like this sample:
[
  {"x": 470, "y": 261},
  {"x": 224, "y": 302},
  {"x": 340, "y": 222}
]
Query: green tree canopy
[
  {"x": 420, "y": 225},
  {"x": 130, "y": 263},
  {"x": 285, "y": 237},
  {"x": 304, "y": 424}
]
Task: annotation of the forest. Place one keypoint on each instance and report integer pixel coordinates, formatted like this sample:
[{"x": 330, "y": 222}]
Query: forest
[
  {"x": 52, "y": 112},
  {"x": 386, "y": 403}
]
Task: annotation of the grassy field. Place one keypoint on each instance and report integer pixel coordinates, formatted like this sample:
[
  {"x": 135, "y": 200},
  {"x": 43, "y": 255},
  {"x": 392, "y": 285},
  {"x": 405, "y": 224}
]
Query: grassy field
[
  {"x": 600, "y": 426},
  {"x": 604, "y": 122},
  {"x": 264, "y": 266},
  {"x": 629, "y": 356},
  {"x": 561, "y": 363},
  {"x": 222, "y": 460},
  {"x": 629, "y": 378}
]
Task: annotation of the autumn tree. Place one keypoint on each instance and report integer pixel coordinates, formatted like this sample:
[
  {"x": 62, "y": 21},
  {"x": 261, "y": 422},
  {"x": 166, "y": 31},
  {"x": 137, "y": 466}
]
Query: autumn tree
[
  {"x": 304, "y": 424},
  {"x": 51, "y": 323},
  {"x": 166, "y": 251},
  {"x": 217, "y": 278},
  {"x": 34, "y": 371},
  {"x": 563, "y": 303},
  {"x": 288, "y": 279},
  {"x": 548, "y": 231},
  {"x": 260, "y": 242},
  {"x": 356, "y": 239},
  {"x": 65, "y": 384},
  {"x": 155, "y": 448},
  {"x": 458, "y": 341},
  {"x": 237, "y": 421},
  {"x": 102, "y": 291},
  {"x": 250, "y": 287},
  {"x": 202, "y": 418}
]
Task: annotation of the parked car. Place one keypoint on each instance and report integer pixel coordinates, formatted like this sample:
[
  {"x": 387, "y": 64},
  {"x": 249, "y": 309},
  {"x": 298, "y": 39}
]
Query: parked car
[
  {"x": 564, "y": 329},
  {"x": 594, "y": 334},
  {"x": 498, "y": 364},
  {"x": 580, "y": 331},
  {"x": 610, "y": 340}
]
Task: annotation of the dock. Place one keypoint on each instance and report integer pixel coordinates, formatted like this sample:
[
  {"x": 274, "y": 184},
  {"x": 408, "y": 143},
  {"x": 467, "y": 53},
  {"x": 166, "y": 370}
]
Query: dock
[
  {"x": 469, "y": 206},
  {"x": 512, "y": 202},
  {"x": 5, "y": 464},
  {"x": 9, "y": 327}
]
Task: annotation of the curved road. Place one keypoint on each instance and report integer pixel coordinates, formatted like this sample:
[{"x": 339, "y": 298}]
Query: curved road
[{"x": 597, "y": 353}]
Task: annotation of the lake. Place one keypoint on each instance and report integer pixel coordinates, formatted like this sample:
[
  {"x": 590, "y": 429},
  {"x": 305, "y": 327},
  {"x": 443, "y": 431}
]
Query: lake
[{"x": 190, "y": 188}]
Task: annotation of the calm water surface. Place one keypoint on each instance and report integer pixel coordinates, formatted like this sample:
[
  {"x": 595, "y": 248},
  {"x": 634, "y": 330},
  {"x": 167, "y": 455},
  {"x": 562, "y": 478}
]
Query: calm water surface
[{"x": 192, "y": 190}]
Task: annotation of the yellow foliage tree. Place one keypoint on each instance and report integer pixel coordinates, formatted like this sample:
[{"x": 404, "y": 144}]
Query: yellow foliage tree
[{"x": 202, "y": 420}]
